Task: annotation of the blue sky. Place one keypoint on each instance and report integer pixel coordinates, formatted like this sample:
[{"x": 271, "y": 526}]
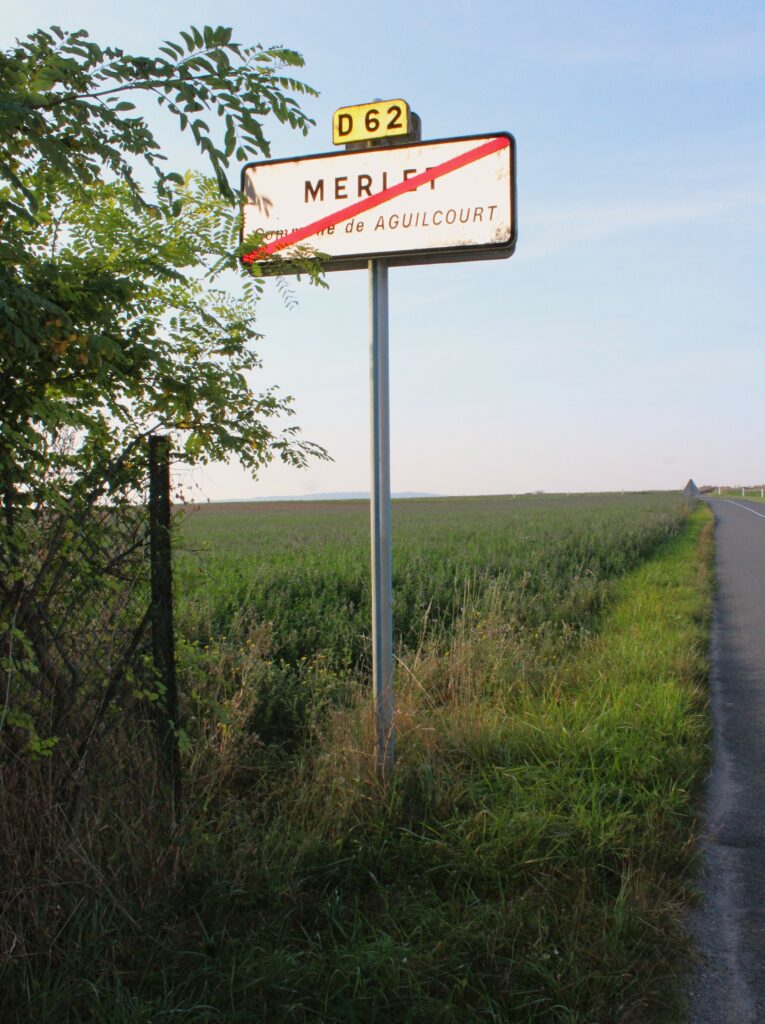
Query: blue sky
[{"x": 622, "y": 345}]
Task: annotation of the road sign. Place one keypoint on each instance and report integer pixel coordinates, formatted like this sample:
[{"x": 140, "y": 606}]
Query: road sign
[
  {"x": 420, "y": 202},
  {"x": 366, "y": 122},
  {"x": 424, "y": 202}
]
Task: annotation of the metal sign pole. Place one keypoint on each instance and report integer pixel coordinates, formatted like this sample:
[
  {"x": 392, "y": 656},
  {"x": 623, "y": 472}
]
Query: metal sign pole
[{"x": 380, "y": 506}]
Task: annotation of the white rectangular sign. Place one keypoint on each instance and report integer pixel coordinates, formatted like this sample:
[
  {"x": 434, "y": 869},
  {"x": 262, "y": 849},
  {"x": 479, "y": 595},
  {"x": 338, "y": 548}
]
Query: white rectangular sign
[{"x": 424, "y": 202}]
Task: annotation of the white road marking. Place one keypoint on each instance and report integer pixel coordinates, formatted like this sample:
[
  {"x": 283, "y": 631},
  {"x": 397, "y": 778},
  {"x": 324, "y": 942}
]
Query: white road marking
[{"x": 760, "y": 514}]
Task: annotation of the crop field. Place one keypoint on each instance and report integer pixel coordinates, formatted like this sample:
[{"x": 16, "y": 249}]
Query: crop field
[
  {"x": 304, "y": 566},
  {"x": 296, "y": 574}
]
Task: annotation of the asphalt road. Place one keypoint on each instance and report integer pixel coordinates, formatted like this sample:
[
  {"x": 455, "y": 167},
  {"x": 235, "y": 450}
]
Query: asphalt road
[{"x": 729, "y": 984}]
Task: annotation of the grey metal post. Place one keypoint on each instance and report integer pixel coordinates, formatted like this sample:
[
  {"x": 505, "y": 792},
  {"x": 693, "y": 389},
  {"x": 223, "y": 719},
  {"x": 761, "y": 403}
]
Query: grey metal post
[
  {"x": 380, "y": 507},
  {"x": 162, "y": 632}
]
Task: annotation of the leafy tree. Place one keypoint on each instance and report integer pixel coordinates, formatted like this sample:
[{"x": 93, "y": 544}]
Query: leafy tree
[
  {"x": 115, "y": 322},
  {"x": 107, "y": 325}
]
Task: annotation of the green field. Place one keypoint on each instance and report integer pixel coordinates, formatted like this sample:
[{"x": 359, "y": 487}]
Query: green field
[
  {"x": 533, "y": 854},
  {"x": 293, "y": 578}
]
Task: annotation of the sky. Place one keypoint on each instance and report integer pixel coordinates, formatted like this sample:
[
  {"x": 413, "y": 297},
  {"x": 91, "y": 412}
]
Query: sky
[{"x": 621, "y": 347}]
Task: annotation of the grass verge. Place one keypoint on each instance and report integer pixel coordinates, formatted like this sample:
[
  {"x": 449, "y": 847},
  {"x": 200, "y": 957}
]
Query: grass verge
[{"x": 529, "y": 862}]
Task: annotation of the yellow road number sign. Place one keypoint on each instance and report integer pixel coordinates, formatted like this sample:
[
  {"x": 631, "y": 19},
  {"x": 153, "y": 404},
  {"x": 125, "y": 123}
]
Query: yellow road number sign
[{"x": 379, "y": 120}]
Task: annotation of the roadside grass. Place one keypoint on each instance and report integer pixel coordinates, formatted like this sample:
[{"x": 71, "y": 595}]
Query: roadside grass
[{"x": 529, "y": 862}]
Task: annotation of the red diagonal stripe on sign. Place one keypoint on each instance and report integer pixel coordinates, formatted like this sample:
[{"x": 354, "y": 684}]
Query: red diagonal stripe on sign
[{"x": 454, "y": 164}]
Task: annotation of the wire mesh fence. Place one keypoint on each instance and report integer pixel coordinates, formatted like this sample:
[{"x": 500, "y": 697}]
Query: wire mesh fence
[
  {"x": 88, "y": 738},
  {"x": 86, "y": 640}
]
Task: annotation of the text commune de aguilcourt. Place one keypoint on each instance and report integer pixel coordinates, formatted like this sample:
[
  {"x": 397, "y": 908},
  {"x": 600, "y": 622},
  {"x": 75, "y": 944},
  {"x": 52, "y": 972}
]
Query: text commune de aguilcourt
[{"x": 339, "y": 187}]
